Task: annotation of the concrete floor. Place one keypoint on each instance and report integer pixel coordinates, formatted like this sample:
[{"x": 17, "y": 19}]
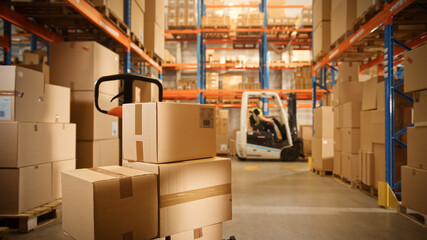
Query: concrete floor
[{"x": 276, "y": 200}]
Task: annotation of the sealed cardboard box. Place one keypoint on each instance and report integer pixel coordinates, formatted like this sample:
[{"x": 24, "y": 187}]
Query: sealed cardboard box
[
  {"x": 154, "y": 37},
  {"x": 420, "y": 108},
  {"x": 116, "y": 6},
  {"x": 145, "y": 92},
  {"x": 323, "y": 154},
  {"x": 366, "y": 167},
  {"x": 377, "y": 134},
  {"x": 26, "y": 144},
  {"x": 204, "y": 198},
  {"x": 324, "y": 122},
  {"x": 56, "y": 104},
  {"x": 154, "y": 11},
  {"x": 414, "y": 185},
  {"x": 137, "y": 20},
  {"x": 57, "y": 168},
  {"x": 337, "y": 139},
  {"x": 167, "y": 132},
  {"x": 351, "y": 115},
  {"x": 348, "y": 92},
  {"x": 337, "y": 112},
  {"x": 78, "y": 65},
  {"x": 415, "y": 70},
  {"x": 222, "y": 144},
  {"x": 322, "y": 34},
  {"x": 350, "y": 140},
  {"x": 348, "y": 72},
  {"x": 337, "y": 163},
  {"x": 363, "y": 6},
  {"x": 97, "y": 153},
  {"x": 44, "y": 68},
  {"x": 380, "y": 95},
  {"x": 26, "y": 188},
  {"x": 369, "y": 94},
  {"x": 379, "y": 168},
  {"x": 21, "y": 94},
  {"x": 350, "y": 166},
  {"x": 92, "y": 124},
  {"x": 417, "y": 150},
  {"x": 343, "y": 15},
  {"x": 34, "y": 57},
  {"x": 366, "y": 131},
  {"x": 109, "y": 203},
  {"x": 321, "y": 11}
]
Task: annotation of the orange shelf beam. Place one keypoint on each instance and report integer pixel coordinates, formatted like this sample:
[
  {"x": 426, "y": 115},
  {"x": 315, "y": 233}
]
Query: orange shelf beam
[
  {"x": 234, "y": 6},
  {"x": 169, "y": 32},
  {"x": 389, "y": 10},
  {"x": 289, "y": 6},
  {"x": 25, "y": 23},
  {"x": 219, "y": 66}
]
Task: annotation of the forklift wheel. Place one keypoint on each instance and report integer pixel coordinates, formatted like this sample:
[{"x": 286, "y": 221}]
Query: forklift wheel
[{"x": 289, "y": 154}]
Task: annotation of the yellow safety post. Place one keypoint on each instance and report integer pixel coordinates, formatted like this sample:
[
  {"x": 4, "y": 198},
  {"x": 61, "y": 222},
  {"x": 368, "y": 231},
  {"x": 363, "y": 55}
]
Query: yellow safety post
[{"x": 386, "y": 197}]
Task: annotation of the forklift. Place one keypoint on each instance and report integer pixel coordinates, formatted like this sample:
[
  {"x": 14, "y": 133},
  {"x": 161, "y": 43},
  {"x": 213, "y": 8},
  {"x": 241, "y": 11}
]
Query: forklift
[{"x": 261, "y": 143}]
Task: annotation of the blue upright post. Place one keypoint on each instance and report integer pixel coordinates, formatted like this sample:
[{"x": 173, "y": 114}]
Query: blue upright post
[
  {"x": 313, "y": 85},
  {"x": 199, "y": 53},
  {"x": 7, "y": 31},
  {"x": 33, "y": 42},
  {"x": 126, "y": 13},
  {"x": 264, "y": 56},
  {"x": 389, "y": 103},
  {"x": 333, "y": 74}
]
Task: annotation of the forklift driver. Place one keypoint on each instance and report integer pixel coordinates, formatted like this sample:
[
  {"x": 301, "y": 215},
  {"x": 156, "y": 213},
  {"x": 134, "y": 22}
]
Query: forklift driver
[{"x": 263, "y": 123}]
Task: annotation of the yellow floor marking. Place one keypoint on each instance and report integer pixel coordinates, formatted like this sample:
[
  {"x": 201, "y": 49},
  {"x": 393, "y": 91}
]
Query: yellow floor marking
[
  {"x": 291, "y": 167},
  {"x": 251, "y": 168}
]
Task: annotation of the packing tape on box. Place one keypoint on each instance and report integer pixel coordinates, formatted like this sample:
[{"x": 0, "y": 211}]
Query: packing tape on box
[
  {"x": 193, "y": 195},
  {"x": 138, "y": 119},
  {"x": 139, "y": 151},
  {"x": 198, "y": 233},
  {"x": 11, "y": 93},
  {"x": 125, "y": 182}
]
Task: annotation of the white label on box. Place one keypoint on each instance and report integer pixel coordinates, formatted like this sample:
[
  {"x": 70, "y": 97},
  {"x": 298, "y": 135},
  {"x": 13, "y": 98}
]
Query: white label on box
[
  {"x": 5, "y": 107},
  {"x": 20, "y": 74},
  {"x": 206, "y": 117},
  {"x": 223, "y": 147},
  {"x": 115, "y": 129}
]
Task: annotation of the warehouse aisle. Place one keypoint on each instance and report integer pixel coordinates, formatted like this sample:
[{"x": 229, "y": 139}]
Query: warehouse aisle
[{"x": 277, "y": 200}]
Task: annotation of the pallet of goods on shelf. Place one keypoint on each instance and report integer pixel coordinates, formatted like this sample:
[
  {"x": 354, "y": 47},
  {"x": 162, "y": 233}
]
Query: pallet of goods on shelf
[
  {"x": 182, "y": 14},
  {"x": 169, "y": 58},
  {"x": 187, "y": 84},
  {"x": 303, "y": 78},
  {"x": 304, "y": 19},
  {"x": 250, "y": 21},
  {"x": 216, "y": 22},
  {"x": 366, "y": 9},
  {"x": 113, "y": 11}
]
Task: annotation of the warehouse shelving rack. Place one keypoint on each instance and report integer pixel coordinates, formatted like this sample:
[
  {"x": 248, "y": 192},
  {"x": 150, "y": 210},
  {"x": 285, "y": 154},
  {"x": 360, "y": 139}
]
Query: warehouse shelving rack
[
  {"x": 303, "y": 43},
  {"x": 68, "y": 17},
  {"x": 382, "y": 25}
]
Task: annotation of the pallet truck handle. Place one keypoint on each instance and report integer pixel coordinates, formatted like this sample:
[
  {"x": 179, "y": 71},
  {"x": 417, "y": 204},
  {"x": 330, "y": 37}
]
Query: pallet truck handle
[{"x": 127, "y": 93}]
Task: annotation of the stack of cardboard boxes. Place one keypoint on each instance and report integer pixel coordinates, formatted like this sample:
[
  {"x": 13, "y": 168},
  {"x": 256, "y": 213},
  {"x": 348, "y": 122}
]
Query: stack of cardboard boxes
[
  {"x": 250, "y": 20},
  {"x": 154, "y": 26},
  {"x": 174, "y": 184},
  {"x": 322, "y": 142},
  {"x": 305, "y": 18},
  {"x": 36, "y": 60},
  {"x": 343, "y": 14},
  {"x": 414, "y": 175},
  {"x": 37, "y": 142},
  {"x": 78, "y": 65},
  {"x": 187, "y": 84},
  {"x": 181, "y": 14},
  {"x": 231, "y": 81},
  {"x": 322, "y": 27},
  {"x": 221, "y": 122},
  {"x": 303, "y": 78},
  {"x": 306, "y": 134},
  {"x": 137, "y": 19},
  {"x": 250, "y": 84},
  {"x": 276, "y": 16}
]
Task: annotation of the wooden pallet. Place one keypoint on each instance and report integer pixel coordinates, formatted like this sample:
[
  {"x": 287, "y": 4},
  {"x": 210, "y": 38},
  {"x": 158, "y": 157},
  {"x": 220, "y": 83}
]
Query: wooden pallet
[
  {"x": 155, "y": 57},
  {"x": 352, "y": 184},
  {"x": 135, "y": 39},
  {"x": 416, "y": 217},
  {"x": 369, "y": 190},
  {"x": 32, "y": 219},
  {"x": 218, "y": 34},
  {"x": 4, "y": 232},
  {"x": 110, "y": 15},
  {"x": 339, "y": 40},
  {"x": 248, "y": 34},
  {"x": 322, "y": 173},
  {"x": 367, "y": 15}
]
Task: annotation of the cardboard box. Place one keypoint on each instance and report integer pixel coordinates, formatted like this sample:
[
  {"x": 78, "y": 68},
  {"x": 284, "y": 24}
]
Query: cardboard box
[
  {"x": 154, "y": 38},
  {"x": 34, "y": 57},
  {"x": 321, "y": 11},
  {"x": 350, "y": 140},
  {"x": 116, "y": 6},
  {"x": 420, "y": 108},
  {"x": 203, "y": 199},
  {"x": 323, "y": 154},
  {"x": 57, "y": 168},
  {"x": 212, "y": 232},
  {"x": 324, "y": 122},
  {"x": 21, "y": 94},
  {"x": 92, "y": 124},
  {"x": 78, "y": 65},
  {"x": 337, "y": 110},
  {"x": 306, "y": 132},
  {"x": 417, "y": 150},
  {"x": 337, "y": 139},
  {"x": 167, "y": 132},
  {"x": 109, "y": 203},
  {"x": 154, "y": 11},
  {"x": 56, "y": 104},
  {"x": 26, "y": 144},
  {"x": 145, "y": 92},
  {"x": 366, "y": 167},
  {"x": 137, "y": 21},
  {"x": 363, "y": 6},
  {"x": 44, "y": 68},
  {"x": 230, "y": 81},
  {"x": 26, "y": 188},
  {"x": 350, "y": 166},
  {"x": 222, "y": 144},
  {"x": 348, "y": 72},
  {"x": 366, "y": 131},
  {"x": 343, "y": 15},
  {"x": 351, "y": 115},
  {"x": 369, "y": 94},
  {"x": 379, "y": 168},
  {"x": 97, "y": 153},
  {"x": 414, "y": 185},
  {"x": 347, "y": 92},
  {"x": 322, "y": 34},
  {"x": 377, "y": 133},
  {"x": 337, "y": 163},
  {"x": 380, "y": 95},
  {"x": 415, "y": 70}
]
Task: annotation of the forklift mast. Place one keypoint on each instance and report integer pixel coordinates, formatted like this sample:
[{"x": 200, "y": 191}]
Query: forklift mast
[{"x": 292, "y": 115}]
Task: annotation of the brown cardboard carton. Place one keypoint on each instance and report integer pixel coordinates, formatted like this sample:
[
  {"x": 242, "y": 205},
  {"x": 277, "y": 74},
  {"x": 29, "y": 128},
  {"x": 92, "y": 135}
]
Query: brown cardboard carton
[
  {"x": 348, "y": 72},
  {"x": 343, "y": 15},
  {"x": 56, "y": 104},
  {"x": 379, "y": 168},
  {"x": 26, "y": 188},
  {"x": 97, "y": 153},
  {"x": 337, "y": 139},
  {"x": 417, "y": 148},
  {"x": 44, "y": 68},
  {"x": 145, "y": 92},
  {"x": 414, "y": 185},
  {"x": 321, "y": 11},
  {"x": 78, "y": 65},
  {"x": 167, "y": 132},
  {"x": 348, "y": 92},
  {"x": 57, "y": 168},
  {"x": 109, "y": 203},
  {"x": 350, "y": 166},
  {"x": 420, "y": 108},
  {"x": 366, "y": 167},
  {"x": 116, "y": 6},
  {"x": 350, "y": 140},
  {"x": 34, "y": 57},
  {"x": 369, "y": 94},
  {"x": 324, "y": 122},
  {"x": 222, "y": 144},
  {"x": 337, "y": 162},
  {"x": 414, "y": 62},
  {"x": 306, "y": 132},
  {"x": 21, "y": 94},
  {"x": 366, "y": 131},
  {"x": 137, "y": 21},
  {"x": 322, "y": 32},
  {"x": 363, "y": 6},
  {"x": 154, "y": 37},
  {"x": 155, "y": 11},
  {"x": 26, "y": 144},
  {"x": 204, "y": 198},
  {"x": 92, "y": 124},
  {"x": 337, "y": 112},
  {"x": 212, "y": 232},
  {"x": 378, "y": 126},
  {"x": 230, "y": 81},
  {"x": 351, "y": 115},
  {"x": 380, "y": 95},
  {"x": 323, "y": 154}
]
